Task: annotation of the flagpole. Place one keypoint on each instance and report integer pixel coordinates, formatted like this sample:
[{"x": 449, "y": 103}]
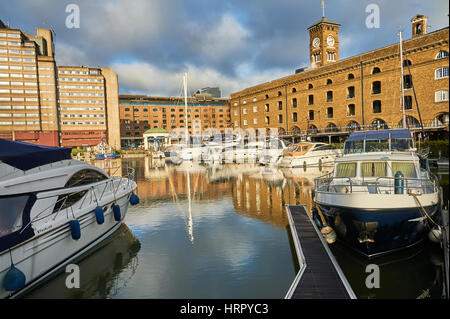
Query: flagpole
[{"x": 323, "y": 8}]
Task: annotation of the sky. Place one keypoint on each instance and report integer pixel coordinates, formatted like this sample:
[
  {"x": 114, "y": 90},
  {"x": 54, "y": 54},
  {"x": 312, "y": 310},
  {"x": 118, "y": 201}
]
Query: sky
[{"x": 232, "y": 44}]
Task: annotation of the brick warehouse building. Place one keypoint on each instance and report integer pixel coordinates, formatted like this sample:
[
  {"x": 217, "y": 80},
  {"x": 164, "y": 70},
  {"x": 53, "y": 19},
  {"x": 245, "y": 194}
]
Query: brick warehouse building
[
  {"x": 139, "y": 113},
  {"x": 334, "y": 97},
  {"x": 49, "y": 105}
]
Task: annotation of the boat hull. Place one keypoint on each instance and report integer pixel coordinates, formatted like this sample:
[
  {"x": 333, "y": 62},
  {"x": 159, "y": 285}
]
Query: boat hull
[
  {"x": 44, "y": 255},
  {"x": 377, "y": 232}
]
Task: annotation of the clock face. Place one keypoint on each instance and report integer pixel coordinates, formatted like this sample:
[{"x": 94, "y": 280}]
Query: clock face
[
  {"x": 316, "y": 42},
  {"x": 330, "y": 41}
]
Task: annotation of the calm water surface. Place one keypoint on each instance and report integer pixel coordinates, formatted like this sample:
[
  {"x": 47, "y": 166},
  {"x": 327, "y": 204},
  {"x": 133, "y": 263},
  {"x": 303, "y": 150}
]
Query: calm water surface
[{"x": 227, "y": 239}]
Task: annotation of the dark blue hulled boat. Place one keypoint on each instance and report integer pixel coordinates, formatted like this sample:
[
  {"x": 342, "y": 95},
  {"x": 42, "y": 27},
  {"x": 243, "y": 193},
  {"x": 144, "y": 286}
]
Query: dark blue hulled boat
[{"x": 379, "y": 196}]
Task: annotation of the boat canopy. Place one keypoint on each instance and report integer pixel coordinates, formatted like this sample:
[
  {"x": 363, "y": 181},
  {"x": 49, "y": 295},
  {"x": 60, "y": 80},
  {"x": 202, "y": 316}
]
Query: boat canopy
[
  {"x": 380, "y": 135},
  {"x": 398, "y": 140},
  {"x": 25, "y": 156}
]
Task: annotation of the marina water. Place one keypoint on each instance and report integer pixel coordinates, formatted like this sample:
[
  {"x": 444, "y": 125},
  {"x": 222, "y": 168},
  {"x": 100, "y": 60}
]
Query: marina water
[{"x": 228, "y": 238}]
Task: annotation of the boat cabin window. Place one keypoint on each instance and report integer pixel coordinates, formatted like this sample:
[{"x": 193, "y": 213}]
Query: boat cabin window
[
  {"x": 323, "y": 148},
  {"x": 345, "y": 170},
  {"x": 293, "y": 148},
  {"x": 11, "y": 210},
  {"x": 65, "y": 201},
  {"x": 84, "y": 177},
  {"x": 408, "y": 169},
  {"x": 373, "y": 169}
]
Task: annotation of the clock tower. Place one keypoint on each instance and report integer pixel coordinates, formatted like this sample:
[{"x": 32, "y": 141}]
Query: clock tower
[{"x": 323, "y": 42}]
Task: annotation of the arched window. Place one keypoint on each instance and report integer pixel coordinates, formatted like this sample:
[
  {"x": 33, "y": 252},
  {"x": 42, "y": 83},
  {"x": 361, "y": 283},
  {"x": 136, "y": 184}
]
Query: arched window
[
  {"x": 352, "y": 126},
  {"x": 440, "y": 120},
  {"x": 376, "y": 70},
  {"x": 407, "y": 62},
  {"x": 127, "y": 109},
  {"x": 329, "y": 81},
  {"x": 310, "y": 86},
  {"x": 411, "y": 121},
  {"x": 442, "y": 54},
  {"x": 378, "y": 124},
  {"x": 294, "y": 102},
  {"x": 279, "y": 93},
  {"x": 350, "y": 76},
  {"x": 267, "y": 96},
  {"x": 331, "y": 128},
  {"x": 296, "y": 130},
  {"x": 294, "y": 90},
  {"x": 312, "y": 129}
]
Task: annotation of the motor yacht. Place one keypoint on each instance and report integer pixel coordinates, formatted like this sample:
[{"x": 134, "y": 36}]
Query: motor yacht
[
  {"x": 379, "y": 198},
  {"x": 52, "y": 209},
  {"x": 307, "y": 154}
]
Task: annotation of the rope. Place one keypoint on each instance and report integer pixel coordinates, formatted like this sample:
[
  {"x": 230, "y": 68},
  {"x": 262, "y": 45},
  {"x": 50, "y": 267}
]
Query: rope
[
  {"x": 321, "y": 216},
  {"x": 423, "y": 209}
]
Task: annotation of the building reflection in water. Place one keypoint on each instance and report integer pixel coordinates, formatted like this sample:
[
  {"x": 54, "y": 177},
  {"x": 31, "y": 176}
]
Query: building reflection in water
[{"x": 257, "y": 192}]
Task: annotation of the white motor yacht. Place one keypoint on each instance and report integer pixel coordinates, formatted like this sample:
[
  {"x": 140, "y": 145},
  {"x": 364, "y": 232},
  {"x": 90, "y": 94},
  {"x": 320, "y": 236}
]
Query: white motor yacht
[
  {"x": 52, "y": 210},
  {"x": 379, "y": 198},
  {"x": 307, "y": 154}
]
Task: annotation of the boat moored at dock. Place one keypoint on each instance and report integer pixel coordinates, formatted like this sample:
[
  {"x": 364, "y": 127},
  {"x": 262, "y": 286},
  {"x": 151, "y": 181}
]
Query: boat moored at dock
[
  {"x": 307, "y": 154},
  {"x": 379, "y": 199},
  {"x": 52, "y": 209}
]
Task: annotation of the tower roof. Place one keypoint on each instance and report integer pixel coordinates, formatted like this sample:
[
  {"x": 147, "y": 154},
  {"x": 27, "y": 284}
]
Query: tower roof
[{"x": 324, "y": 20}]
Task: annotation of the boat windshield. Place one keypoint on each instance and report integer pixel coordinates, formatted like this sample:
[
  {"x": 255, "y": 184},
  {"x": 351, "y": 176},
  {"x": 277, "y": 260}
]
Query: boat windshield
[
  {"x": 11, "y": 210},
  {"x": 378, "y": 145}
]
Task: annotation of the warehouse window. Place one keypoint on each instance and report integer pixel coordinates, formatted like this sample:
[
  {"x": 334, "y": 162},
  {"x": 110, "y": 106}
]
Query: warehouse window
[{"x": 442, "y": 54}]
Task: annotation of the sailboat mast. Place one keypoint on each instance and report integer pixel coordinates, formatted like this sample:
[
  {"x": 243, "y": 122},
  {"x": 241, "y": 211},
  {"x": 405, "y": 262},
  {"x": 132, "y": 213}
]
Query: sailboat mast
[
  {"x": 402, "y": 80},
  {"x": 186, "y": 108}
]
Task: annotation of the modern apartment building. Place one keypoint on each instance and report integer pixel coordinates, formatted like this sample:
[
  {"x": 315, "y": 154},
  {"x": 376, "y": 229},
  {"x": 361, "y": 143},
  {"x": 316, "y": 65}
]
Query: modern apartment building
[
  {"x": 28, "y": 101},
  {"x": 138, "y": 113},
  {"x": 49, "y": 105},
  {"x": 334, "y": 97},
  {"x": 88, "y": 106}
]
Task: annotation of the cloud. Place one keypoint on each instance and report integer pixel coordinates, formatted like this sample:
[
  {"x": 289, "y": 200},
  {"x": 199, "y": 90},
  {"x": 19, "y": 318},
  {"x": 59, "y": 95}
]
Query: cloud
[
  {"x": 232, "y": 44},
  {"x": 142, "y": 77}
]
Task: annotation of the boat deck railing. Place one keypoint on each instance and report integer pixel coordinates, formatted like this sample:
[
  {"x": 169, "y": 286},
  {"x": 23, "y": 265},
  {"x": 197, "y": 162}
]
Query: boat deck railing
[
  {"x": 379, "y": 185},
  {"x": 113, "y": 183}
]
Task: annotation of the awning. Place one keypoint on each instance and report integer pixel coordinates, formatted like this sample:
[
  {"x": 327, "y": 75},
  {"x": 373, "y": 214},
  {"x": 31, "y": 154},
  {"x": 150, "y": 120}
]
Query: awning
[
  {"x": 26, "y": 156},
  {"x": 380, "y": 135}
]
